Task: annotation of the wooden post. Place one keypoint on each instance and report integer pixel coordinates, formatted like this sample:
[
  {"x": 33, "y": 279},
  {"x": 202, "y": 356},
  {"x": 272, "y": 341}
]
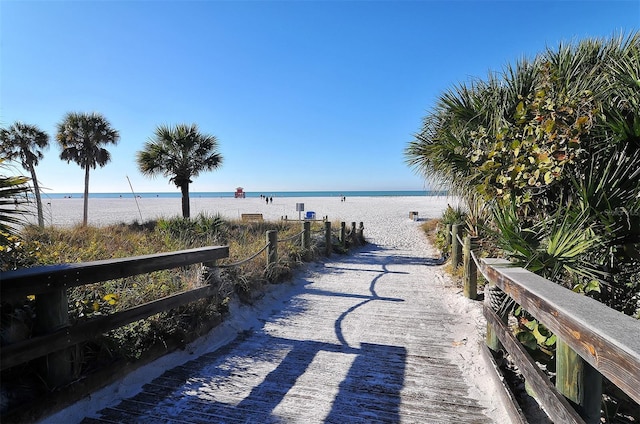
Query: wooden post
[
  {"x": 342, "y": 232},
  {"x": 470, "y": 274},
  {"x": 448, "y": 235},
  {"x": 493, "y": 298},
  {"x": 52, "y": 313},
  {"x": 361, "y": 233},
  {"x": 327, "y": 238},
  {"x": 272, "y": 250},
  {"x": 211, "y": 272},
  {"x": 456, "y": 247},
  {"x": 353, "y": 233},
  {"x": 306, "y": 235},
  {"x": 492, "y": 340},
  {"x": 579, "y": 382}
]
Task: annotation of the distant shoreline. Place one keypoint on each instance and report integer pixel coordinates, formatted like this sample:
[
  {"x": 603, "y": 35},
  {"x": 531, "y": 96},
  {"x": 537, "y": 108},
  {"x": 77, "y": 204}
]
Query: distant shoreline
[{"x": 251, "y": 194}]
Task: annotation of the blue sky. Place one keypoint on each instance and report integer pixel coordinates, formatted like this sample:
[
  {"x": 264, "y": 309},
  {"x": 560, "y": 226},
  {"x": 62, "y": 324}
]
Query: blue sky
[{"x": 302, "y": 95}]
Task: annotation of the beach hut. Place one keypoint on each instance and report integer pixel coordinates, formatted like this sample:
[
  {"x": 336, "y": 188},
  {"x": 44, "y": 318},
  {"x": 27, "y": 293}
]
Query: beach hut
[{"x": 240, "y": 194}]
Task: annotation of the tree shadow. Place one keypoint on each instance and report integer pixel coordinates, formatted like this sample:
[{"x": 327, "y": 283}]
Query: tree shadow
[{"x": 385, "y": 256}]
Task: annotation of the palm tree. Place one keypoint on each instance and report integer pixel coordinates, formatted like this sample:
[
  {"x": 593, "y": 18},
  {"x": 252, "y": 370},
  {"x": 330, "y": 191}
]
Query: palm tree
[
  {"x": 81, "y": 137},
  {"x": 181, "y": 153},
  {"x": 25, "y": 142}
]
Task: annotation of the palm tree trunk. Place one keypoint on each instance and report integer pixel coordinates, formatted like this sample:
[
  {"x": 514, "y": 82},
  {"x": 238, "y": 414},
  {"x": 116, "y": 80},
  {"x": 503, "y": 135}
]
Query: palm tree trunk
[
  {"x": 186, "y": 212},
  {"x": 36, "y": 189},
  {"x": 86, "y": 197}
]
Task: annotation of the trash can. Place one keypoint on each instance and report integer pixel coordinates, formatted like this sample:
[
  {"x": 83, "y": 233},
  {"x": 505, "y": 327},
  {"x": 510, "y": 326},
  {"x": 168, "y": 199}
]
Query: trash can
[
  {"x": 310, "y": 215},
  {"x": 413, "y": 215}
]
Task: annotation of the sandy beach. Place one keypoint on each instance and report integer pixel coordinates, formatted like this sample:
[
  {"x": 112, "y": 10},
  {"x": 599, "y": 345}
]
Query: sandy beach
[{"x": 373, "y": 212}]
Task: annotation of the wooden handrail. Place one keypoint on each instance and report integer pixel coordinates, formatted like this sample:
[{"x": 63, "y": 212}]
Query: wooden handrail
[
  {"x": 35, "y": 347},
  {"x": 606, "y": 339},
  {"x": 555, "y": 404},
  {"x": 43, "y": 279}
]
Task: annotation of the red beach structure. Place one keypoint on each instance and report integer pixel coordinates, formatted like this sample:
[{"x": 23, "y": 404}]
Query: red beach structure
[{"x": 240, "y": 194}]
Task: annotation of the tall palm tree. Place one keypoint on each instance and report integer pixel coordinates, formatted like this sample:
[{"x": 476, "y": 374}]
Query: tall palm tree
[
  {"x": 25, "y": 142},
  {"x": 81, "y": 137},
  {"x": 181, "y": 153}
]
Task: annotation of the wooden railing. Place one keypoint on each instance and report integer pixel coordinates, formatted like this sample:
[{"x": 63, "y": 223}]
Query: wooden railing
[
  {"x": 55, "y": 336},
  {"x": 49, "y": 284},
  {"x": 593, "y": 340}
]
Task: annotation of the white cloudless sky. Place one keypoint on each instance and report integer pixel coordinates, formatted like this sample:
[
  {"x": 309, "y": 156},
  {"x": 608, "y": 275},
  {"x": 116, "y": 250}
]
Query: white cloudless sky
[{"x": 302, "y": 95}]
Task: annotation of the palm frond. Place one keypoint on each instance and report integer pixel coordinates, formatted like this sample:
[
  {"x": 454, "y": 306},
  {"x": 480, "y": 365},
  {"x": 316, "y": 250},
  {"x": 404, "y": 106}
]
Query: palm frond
[{"x": 11, "y": 215}]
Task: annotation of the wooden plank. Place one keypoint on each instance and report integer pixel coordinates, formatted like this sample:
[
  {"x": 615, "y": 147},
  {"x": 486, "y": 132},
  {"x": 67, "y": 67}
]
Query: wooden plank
[
  {"x": 506, "y": 394},
  {"x": 43, "y": 279},
  {"x": 52, "y": 313},
  {"x": 36, "y": 347},
  {"x": 556, "y": 406},
  {"x": 579, "y": 382},
  {"x": 607, "y": 339}
]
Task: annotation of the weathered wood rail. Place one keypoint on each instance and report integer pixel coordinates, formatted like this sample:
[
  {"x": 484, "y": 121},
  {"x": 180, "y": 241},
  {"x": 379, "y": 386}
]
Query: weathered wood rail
[
  {"x": 49, "y": 284},
  {"x": 593, "y": 340},
  {"x": 54, "y": 335}
]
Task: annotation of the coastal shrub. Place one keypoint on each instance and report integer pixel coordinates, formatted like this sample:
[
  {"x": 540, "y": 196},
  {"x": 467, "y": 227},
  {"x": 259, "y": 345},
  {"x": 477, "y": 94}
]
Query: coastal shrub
[
  {"x": 203, "y": 230},
  {"x": 433, "y": 229},
  {"x": 437, "y": 229},
  {"x": 555, "y": 140},
  {"x": 454, "y": 215},
  {"x": 14, "y": 253},
  {"x": 53, "y": 245}
]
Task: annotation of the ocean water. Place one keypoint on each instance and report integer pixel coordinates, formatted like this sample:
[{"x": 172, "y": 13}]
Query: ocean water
[{"x": 217, "y": 194}]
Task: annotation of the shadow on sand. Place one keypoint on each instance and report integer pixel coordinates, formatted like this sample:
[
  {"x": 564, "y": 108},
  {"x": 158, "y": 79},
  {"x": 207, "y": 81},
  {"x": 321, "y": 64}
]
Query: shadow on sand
[{"x": 201, "y": 390}]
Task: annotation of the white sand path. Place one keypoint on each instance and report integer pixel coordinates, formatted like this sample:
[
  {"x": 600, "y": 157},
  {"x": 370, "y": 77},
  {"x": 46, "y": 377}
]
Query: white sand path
[{"x": 381, "y": 335}]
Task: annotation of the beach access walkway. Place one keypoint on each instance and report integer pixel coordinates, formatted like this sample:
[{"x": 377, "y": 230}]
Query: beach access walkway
[{"x": 370, "y": 337}]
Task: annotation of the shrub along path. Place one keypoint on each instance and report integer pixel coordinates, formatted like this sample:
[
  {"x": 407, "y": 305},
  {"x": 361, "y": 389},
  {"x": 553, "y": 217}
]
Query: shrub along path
[{"x": 363, "y": 338}]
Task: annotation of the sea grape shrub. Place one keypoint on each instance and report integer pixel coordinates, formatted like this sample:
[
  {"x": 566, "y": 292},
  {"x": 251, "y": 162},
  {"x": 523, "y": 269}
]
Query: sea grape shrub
[{"x": 534, "y": 149}]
